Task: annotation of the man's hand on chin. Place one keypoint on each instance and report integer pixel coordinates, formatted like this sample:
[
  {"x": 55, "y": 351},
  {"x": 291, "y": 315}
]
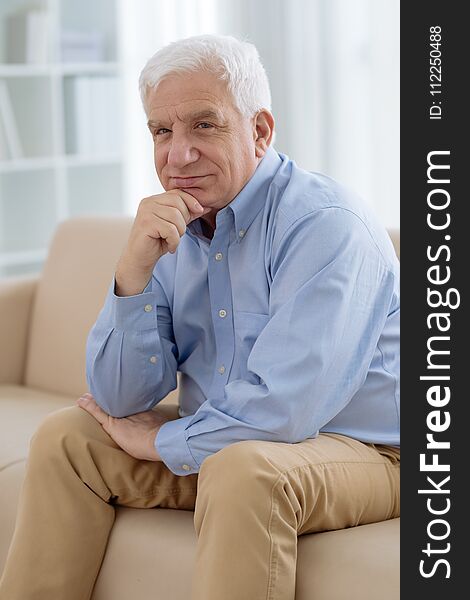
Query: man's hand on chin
[{"x": 135, "y": 434}]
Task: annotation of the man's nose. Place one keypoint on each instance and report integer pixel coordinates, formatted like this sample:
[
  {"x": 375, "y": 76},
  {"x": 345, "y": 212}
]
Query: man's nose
[{"x": 181, "y": 152}]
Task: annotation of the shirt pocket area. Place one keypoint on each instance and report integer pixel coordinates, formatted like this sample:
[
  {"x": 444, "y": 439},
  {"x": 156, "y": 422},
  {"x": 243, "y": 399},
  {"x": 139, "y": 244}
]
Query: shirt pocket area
[{"x": 247, "y": 326}]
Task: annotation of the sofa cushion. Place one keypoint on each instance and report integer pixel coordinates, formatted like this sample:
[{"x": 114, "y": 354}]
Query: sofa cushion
[
  {"x": 21, "y": 410},
  {"x": 16, "y": 301},
  {"x": 11, "y": 479},
  {"x": 151, "y": 553},
  {"x": 359, "y": 562},
  {"x": 71, "y": 292}
]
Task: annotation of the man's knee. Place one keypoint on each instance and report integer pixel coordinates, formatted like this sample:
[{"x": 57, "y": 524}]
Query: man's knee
[
  {"x": 64, "y": 428},
  {"x": 239, "y": 468},
  {"x": 237, "y": 481}
]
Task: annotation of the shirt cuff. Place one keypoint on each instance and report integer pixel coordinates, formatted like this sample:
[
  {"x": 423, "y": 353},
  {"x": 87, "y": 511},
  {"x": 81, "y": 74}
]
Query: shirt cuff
[
  {"x": 134, "y": 313},
  {"x": 173, "y": 448}
]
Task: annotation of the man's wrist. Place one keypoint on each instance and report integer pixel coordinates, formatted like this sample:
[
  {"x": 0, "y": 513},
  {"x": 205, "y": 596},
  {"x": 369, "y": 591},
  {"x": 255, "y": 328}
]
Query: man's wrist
[
  {"x": 154, "y": 445},
  {"x": 130, "y": 285}
]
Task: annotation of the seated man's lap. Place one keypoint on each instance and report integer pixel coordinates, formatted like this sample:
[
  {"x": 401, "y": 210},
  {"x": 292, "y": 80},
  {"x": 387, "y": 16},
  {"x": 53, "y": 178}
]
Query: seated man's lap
[
  {"x": 334, "y": 480},
  {"x": 346, "y": 482}
]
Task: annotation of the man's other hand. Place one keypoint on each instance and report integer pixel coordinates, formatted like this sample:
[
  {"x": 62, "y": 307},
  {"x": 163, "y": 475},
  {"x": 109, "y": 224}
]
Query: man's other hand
[
  {"x": 158, "y": 227},
  {"x": 135, "y": 434}
]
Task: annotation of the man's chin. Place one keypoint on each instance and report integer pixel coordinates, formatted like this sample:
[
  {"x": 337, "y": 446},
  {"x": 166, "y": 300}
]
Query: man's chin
[
  {"x": 195, "y": 192},
  {"x": 201, "y": 195}
]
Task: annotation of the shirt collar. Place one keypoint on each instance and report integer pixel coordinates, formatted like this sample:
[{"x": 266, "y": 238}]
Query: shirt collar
[{"x": 251, "y": 198}]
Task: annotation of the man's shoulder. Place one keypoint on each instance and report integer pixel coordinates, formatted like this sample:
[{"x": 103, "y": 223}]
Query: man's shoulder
[
  {"x": 299, "y": 193},
  {"x": 313, "y": 205}
]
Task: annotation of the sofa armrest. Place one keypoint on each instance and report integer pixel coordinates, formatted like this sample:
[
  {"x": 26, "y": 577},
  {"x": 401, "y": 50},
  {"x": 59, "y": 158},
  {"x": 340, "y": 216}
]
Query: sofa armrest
[{"x": 16, "y": 301}]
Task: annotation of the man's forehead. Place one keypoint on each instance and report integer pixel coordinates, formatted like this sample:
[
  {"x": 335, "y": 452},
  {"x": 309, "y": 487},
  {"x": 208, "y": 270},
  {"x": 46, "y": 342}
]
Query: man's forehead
[
  {"x": 189, "y": 92},
  {"x": 187, "y": 109}
]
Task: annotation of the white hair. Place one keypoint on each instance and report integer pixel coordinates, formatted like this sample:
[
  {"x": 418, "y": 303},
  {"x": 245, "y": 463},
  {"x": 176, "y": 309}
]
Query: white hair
[{"x": 232, "y": 60}]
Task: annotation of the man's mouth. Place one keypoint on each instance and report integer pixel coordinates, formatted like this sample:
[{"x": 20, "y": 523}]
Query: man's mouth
[{"x": 187, "y": 182}]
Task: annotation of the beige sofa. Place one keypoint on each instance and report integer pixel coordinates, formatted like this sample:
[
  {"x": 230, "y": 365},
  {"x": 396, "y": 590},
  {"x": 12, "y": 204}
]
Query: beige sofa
[{"x": 44, "y": 322}]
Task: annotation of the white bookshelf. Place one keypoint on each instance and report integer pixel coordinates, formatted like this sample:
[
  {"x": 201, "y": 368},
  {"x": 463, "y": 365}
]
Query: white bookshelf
[{"x": 61, "y": 118}]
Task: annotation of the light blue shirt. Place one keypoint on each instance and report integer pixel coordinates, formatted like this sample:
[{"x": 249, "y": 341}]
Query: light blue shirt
[{"x": 284, "y": 325}]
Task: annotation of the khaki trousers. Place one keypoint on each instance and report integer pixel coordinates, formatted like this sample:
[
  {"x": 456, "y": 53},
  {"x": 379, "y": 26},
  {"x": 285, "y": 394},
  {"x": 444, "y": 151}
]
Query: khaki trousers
[{"x": 251, "y": 501}]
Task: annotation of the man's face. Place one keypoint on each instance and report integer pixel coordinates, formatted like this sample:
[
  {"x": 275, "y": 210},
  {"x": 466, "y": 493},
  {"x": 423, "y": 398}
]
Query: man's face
[{"x": 202, "y": 144}]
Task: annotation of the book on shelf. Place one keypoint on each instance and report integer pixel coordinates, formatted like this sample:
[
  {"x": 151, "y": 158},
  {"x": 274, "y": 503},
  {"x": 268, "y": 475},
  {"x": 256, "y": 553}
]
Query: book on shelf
[
  {"x": 4, "y": 154},
  {"x": 27, "y": 36},
  {"x": 4, "y": 151},
  {"x": 93, "y": 126},
  {"x": 82, "y": 46},
  {"x": 10, "y": 142}
]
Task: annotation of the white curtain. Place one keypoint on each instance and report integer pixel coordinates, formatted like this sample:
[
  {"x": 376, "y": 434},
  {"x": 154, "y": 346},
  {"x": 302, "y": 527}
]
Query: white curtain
[{"x": 333, "y": 66}]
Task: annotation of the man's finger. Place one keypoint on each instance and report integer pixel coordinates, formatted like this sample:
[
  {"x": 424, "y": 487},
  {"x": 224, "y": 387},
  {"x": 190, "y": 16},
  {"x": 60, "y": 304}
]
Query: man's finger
[
  {"x": 192, "y": 204},
  {"x": 88, "y": 403}
]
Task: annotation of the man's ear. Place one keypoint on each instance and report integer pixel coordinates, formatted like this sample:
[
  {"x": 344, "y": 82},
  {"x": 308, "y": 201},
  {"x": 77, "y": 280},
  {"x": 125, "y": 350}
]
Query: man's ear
[{"x": 263, "y": 131}]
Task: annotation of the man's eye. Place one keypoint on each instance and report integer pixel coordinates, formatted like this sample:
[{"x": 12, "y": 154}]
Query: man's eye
[
  {"x": 160, "y": 131},
  {"x": 204, "y": 125}
]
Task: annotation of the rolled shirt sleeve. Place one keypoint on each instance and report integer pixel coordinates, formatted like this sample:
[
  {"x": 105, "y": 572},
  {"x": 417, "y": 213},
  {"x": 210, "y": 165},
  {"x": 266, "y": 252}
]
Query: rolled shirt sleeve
[
  {"x": 131, "y": 355},
  {"x": 330, "y": 295}
]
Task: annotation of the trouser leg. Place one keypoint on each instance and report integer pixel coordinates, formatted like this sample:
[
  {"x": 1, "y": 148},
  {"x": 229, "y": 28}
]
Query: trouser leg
[
  {"x": 75, "y": 476},
  {"x": 254, "y": 498}
]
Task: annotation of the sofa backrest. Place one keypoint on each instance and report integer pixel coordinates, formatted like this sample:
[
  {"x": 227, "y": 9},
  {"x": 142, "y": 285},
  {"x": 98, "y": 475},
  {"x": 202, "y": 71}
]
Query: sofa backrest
[
  {"x": 71, "y": 292},
  {"x": 395, "y": 237}
]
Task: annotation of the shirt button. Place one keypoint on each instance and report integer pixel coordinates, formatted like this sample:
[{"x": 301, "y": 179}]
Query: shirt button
[
  {"x": 221, "y": 369},
  {"x": 222, "y": 313},
  {"x": 153, "y": 359},
  {"x": 241, "y": 233},
  {"x": 186, "y": 467},
  {"x": 148, "y": 308},
  {"x": 219, "y": 256}
]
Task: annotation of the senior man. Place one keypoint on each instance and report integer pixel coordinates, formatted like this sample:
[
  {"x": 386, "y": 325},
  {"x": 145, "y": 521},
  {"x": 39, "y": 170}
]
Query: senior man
[{"x": 274, "y": 293}]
